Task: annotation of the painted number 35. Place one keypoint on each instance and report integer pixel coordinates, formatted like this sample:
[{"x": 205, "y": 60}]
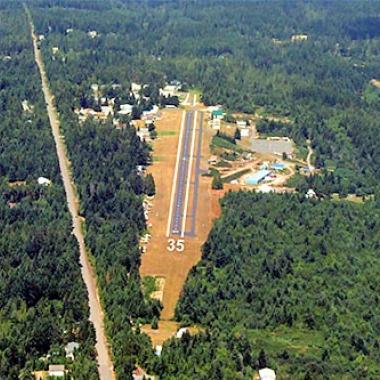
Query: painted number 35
[{"x": 176, "y": 245}]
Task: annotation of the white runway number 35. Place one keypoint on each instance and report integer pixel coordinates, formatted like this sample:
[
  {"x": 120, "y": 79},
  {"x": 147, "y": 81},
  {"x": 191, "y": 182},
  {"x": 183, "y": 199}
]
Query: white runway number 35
[{"x": 176, "y": 245}]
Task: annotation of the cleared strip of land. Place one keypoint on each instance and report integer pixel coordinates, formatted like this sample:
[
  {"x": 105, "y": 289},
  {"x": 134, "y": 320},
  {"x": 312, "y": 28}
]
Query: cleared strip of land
[{"x": 105, "y": 366}]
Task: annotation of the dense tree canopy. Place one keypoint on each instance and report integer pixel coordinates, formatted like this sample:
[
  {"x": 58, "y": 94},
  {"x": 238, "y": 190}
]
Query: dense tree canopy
[{"x": 285, "y": 265}]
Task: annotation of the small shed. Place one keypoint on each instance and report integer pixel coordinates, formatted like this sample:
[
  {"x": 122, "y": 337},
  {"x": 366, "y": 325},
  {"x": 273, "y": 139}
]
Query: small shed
[
  {"x": 267, "y": 374},
  {"x": 217, "y": 114}
]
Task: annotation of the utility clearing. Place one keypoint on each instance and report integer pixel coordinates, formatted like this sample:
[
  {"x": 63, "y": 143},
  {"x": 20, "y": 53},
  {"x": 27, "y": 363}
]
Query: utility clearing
[{"x": 105, "y": 366}]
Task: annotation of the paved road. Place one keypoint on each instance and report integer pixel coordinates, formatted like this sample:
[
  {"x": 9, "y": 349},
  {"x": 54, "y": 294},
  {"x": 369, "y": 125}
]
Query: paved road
[
  {"x": 182, "y": 177},
  {"x": 105, "y": 366}
]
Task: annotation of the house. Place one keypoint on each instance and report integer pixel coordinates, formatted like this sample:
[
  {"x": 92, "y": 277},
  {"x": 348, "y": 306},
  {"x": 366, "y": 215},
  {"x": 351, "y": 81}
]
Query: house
[
  {"x": 55, "y": 50},
  {"x": 257, "y": 178},
  {"x": 70, "y": 349},
  {"x": 69, "y": 30},
  {"x": 311, "y": 194},
  {"x": 43, "y": 181},
  {"x": 92, "y": 33},
  {"x": 7, "y": 58},
  {"x": 267, "y": 374},
  {"x": 125, "y": 109},
  {"x": 57, "y": 370},
  {"x": 106, "y": 110},
  {"x": 217, "y": 114},
  {"x": 299, "y": 37},
  {"x": 41, "y": 37},
  {"x": 169, "y": 90}
]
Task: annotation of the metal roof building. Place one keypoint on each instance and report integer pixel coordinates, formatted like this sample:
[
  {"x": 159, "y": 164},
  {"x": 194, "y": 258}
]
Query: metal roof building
[{"x": 258, "y": 177}]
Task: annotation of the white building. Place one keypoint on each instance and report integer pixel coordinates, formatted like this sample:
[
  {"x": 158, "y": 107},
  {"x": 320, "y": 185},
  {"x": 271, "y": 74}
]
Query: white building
[
  {"x": 169, "y": 90},
  {"x": 216, "y": 124},
  {"x": 136, "y": 88},
  {"x": 56, "y": 370},
  {"x": 180, "y": 332},
  {"x": 43, "y": 181},
  {"x": 151, "y": 113},
  {"x": 125, "y": 109},
  {"x": 241, "y": 123},
  {"x": 107, "y": 110},
  {"x": 92, "y": 33},
  {"x": 267, "y": 374},
  {"x": 245, "y": 132},
  {"x": 158, "y": 350},
  {"x": 299, "y": 37},
  {"x": 310, "y": 194},
  {"x": 70, "y": 349}
]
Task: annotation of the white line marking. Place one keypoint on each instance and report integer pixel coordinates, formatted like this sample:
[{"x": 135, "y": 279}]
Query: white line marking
[
  {"x": 195, "y": 100},
  {"x": 186, "y": 101},
  {"x": 175, "y": 174},
  {"x": 189, "y": 176}
]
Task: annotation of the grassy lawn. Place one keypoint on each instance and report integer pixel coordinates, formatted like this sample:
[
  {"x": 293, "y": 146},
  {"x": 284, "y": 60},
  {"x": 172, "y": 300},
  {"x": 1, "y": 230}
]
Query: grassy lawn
[
  {"x": 149, "y": 285},
  {"x": 293, "y": 339},
  {"x": 219, "y": 142},
  {"x": 166, "y": 133}
]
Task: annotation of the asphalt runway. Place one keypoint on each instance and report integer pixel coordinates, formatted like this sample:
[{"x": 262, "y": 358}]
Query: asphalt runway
[{"x": 177, "y": 217}]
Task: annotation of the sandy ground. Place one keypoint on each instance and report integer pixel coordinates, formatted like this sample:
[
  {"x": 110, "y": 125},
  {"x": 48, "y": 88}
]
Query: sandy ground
[
  {"x": 105, "y": 366},
  {"x": 158, "y": 261}
]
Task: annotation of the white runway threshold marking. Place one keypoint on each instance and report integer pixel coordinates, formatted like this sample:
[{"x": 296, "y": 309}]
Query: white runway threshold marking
[
  {"x": 175, "y": 174},
  {"x": 191, "y": 155}
]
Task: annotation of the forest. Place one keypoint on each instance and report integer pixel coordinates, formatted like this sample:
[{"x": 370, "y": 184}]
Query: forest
[
  {"x": 281, "y": 269},
  {"x": 43, "y": 300}
]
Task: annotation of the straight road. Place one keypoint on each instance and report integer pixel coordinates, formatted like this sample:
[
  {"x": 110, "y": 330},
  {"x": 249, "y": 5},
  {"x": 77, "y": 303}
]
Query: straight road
[{"x": 105, "y": 366}]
